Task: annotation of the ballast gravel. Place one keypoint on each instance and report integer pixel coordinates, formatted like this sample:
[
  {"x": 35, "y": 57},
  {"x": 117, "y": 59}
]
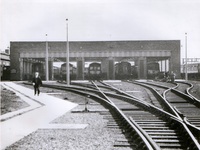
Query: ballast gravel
[{"x": 96, "y": 136}]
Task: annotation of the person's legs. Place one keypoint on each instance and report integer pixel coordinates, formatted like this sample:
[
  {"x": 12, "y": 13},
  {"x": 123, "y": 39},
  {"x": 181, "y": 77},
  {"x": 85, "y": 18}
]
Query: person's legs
[
  {"x": 35, "y": 90},
  {"x": 38, "y": 91}
]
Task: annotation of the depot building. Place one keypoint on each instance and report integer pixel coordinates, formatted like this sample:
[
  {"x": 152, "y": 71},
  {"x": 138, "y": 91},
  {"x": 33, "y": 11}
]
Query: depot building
[{"x": 24, "y": 54}]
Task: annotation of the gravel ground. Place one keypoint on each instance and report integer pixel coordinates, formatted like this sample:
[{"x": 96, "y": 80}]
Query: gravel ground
[
  {"x": 96, "y": 136},
  {"x": 168, "y": 84},
  {"x": 10, "y": 102},
  {"x": 133, "y": 89},
  {"x": 136, "y": 90},
  {"x": 196, "y": 90}
]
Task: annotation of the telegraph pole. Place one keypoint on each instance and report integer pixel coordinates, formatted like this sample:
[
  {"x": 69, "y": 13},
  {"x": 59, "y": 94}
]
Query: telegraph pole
[
  {"x": 47, "y": 61},
  {"x": 67, "y": 55},
  {"x": 186, "y": 67}
]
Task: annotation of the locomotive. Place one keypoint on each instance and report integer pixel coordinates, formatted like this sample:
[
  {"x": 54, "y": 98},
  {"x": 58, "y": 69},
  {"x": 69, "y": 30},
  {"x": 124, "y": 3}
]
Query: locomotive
[
  {"x": 56, "y": 72},
  {"x": 123, "y": 70},
  {"x": 94, "y": 71},
  {"x": 193, "y": 71},
  {"x": 5, "y": 72},
  {"x": 153, "y": 70},
  {"x": 134, "y": 72},
  {"x": 72, "y": 70}
]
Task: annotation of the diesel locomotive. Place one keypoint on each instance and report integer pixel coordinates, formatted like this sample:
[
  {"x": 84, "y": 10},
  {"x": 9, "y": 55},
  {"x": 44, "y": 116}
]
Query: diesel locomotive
[{"x": 94, "y": 71}]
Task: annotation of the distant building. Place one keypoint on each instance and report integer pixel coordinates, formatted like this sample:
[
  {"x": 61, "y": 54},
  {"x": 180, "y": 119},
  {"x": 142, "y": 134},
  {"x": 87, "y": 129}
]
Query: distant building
[
  {"x": 5, "y": 59},
  {"x": 4, "y": 62},
  {"x": 28, "y": 55}
]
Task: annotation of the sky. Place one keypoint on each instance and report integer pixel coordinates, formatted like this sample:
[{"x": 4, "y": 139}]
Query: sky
[{"x": 102, "y": 20}]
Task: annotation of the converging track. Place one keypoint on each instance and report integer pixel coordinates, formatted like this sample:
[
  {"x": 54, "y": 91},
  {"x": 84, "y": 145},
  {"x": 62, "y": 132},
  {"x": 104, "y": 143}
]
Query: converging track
[
  {"x": 146, "y": 123},
  {"x": 159, "y": 125},
  {"x": 182, "y": 103}
]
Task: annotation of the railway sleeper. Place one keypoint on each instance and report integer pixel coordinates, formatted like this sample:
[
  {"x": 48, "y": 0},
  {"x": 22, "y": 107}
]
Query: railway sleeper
[
  {"x": 171, "y": 146},
  {"x": 177, "y": 101},
  {"x": 165, "y": 137},
  {"x": 152, "y": 123},
  {"x": 163, "y": 134},
  {"x": 149, "y": 121},
  {"x": 127, "y": 109},
  {"x": 187, "y": 139},
  {"x": 161, "y": 131},
  {"x": 188, "y": 106},
  {"x": 145, "y": 115},
  {"x": 197, "y": 119},
  {"x": 195, "y": 123},
  {"x": 168, "y": 141},
  {"x": 154, "y": 127},
  {"x": 193, "y": 113},
  {"x": 122, "y": 128}
]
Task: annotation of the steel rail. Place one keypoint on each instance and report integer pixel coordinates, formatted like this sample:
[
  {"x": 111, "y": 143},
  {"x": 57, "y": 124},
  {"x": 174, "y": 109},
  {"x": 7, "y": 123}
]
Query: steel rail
[
  {"x": 173, "y": 119},
  {"x": 189, "y": 89},
  {"x": 146, "y": 138},
  {"x": 179, "y": 118},
  {"x": 188, "y": 98},
  {"x": 143, "y": 144},
  {"x": 100, "y": 99},
  {"x": 151, "y": 141},
  {"x": 160, "y": 98},
  {"x": 180, "y": 115}
]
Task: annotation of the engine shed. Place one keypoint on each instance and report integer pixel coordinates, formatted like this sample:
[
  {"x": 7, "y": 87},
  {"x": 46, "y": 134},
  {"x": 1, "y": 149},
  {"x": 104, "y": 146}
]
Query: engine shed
[{"x": 24, "y": 55}]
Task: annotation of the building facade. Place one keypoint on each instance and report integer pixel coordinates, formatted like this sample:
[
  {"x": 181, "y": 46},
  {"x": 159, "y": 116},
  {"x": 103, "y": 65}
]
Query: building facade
[{"x": 24, "y": 54}]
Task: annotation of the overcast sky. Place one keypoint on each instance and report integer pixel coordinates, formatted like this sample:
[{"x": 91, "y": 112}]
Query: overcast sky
[{"x": 101, "y": 20}]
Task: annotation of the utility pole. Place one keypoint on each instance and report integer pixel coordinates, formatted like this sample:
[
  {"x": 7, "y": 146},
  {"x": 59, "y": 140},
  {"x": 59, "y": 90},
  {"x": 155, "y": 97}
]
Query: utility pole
[
  {"x": 67, "y": 55},
  {"x": 47, "y": 60},
  {"x": 186, "y": 67}
]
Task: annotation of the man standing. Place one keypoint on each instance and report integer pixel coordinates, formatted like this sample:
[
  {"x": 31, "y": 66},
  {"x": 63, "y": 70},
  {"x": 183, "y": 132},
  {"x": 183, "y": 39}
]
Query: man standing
[
  {"x": 173, "y": 75},
  {"x": 37, "y": 82}
]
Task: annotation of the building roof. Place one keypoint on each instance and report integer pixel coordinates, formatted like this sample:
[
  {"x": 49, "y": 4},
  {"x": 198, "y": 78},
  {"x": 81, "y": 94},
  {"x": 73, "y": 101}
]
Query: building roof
[
  {"x": 5, "y": 56},
  {"x": 97, "y": 45}
]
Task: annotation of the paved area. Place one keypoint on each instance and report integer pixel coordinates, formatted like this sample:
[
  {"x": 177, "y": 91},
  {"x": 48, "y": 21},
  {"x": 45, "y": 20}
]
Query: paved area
[{"x": 42, "y": 110}]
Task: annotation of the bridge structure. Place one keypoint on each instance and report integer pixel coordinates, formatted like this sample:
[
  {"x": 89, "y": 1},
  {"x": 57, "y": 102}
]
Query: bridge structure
[{"x": 24, "y": 53}]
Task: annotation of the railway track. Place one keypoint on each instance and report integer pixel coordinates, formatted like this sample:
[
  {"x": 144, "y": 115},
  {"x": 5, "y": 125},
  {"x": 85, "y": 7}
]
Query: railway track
[
  {"x": 180, "y": 99},
  {"x": 129, "y": 136},
  {"x": 158, "y": 126},
  {"x": 145, "y": 126},
  {"x": 152, "y": 96},
  {"x": 183, "y": 86},
  {"x": 189, "y": 87},
  {"x": 185, "y": 106}
]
